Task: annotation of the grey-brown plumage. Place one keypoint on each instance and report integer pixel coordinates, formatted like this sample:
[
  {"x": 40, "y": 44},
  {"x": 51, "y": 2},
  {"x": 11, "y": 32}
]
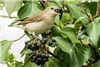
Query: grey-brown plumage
[{"x": 40, "y": 22}]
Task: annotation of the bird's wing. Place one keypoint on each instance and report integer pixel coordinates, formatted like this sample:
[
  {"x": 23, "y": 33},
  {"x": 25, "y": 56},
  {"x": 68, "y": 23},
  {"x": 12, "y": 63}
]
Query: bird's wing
[{"x": 35, "y": 18}]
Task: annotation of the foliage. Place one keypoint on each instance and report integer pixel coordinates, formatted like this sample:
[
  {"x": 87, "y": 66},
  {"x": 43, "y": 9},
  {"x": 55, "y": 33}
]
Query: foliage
[{"x": 76, "y": 32}]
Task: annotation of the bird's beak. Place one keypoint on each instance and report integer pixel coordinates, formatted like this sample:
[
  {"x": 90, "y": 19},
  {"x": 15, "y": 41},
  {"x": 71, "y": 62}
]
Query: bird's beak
[{"x": 58, "y": 10}]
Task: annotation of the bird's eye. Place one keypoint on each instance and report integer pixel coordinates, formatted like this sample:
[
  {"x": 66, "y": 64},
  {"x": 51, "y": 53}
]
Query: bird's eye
[{"x": 52, "y": 8}]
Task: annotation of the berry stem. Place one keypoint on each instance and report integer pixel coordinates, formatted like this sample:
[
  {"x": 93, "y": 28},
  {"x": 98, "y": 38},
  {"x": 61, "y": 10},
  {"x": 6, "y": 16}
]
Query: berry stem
[{"x": 46, "y": 48}]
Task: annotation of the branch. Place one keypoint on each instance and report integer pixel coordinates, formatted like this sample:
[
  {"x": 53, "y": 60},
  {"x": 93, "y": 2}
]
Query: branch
[
  {"x": 98, "y": 7},
  {"x": 19, "y": 38},
  {"x": 42, "y": 3},
  {"x": 94, "y": 53},
  {"x": 7, "y": 16}
]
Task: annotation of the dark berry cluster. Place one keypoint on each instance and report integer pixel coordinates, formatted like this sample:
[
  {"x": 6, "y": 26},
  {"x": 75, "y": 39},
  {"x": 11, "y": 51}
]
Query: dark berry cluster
[
  {"x": 39, "y": 46},
  {"x": 32, "y": 46},
  {"x": 38, "y": 58},
  {"x": 44, "y": 41}
]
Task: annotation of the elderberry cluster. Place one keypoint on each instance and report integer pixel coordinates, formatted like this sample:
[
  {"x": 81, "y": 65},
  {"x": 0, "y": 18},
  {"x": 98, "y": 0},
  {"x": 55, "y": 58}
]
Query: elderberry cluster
[
  {"x": 38, "y": 58},
  {"x": 38, "y": 47},
  {"x": 32, "y": 46},
  {"x": 44, "y": 41}
]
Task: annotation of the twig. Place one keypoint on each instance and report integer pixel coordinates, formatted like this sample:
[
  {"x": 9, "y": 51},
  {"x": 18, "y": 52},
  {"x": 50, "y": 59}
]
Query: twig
[
  {"x": 87, "y": 15},
  {"x": 82, "y": 24},
  {"x": 19, "y": 38},
  {"x": 98, "y": 7},
  {"x": 94, "y": 53},
  {"x": 42, "y": 3},
  {"x": 7, "y": 16}
]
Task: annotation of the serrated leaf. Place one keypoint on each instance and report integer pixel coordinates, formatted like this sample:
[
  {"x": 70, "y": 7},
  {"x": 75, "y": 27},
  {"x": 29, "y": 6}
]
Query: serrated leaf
[
  {"x": 80, "y": 55},
  {"x": 4, "y": 48},
  {"x": 71, "y": 33},
  {"x": 9, "y": 57},
  {"x": 93, "y": 33},
  {"x": 64, "y": 44},
  {"x": 12, "y": 6},
  {"x": 64, "y": 56},
  {"x": 29, "y": 9}
]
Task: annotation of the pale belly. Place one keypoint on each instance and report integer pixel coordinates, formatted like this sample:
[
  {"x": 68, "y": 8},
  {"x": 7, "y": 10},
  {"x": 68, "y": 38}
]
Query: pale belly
[{"x": 38, "y": 28}]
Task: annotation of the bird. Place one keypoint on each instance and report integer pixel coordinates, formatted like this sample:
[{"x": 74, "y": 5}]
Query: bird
[{"x": 39, "y": 22}]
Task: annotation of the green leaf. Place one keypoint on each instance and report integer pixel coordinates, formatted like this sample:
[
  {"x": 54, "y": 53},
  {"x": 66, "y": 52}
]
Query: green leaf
[
  {"x": 81, "y": 53},
  {"x": 47, "y": 4},
  {"x": 56, "y": 31},
  {"x": 19, "y": 64},
  {"x": 4, "y": 48},
  {"x": 25, "y": 50},
  {"x": 29, "y": 9},
  {"x": 79, "y": 19},
  {"x": 93, "y": 33},
  {"x": 60, "y": 2},
  {"x": 64, "y": 44},
  {"x": 9, "y": 57},
  {"x": 71, "y": 33},
  {"x": 75, "y": 11},
  {"x": 12, "y": 6},
  {"x": 28, "y": 63},
  {"x": 92, "y": 7},
  {"x": 50, "y": 63},
  {"x": 59, "y": 63},
  {"x": 57, "y": 20},
  {"x": 64, "y": 56},
  {"x": 97, "y": 64}
]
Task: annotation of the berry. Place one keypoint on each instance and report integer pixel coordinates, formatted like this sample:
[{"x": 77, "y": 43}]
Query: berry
[
  {"x": 28, "y": 45},
  {"x": 44, "y": 41},
  {"x": 34, "y": 57},
  {"x": 50, "y": 43},
  {"x": 46, "y": 55},
  {"x": 39, "y": 59},
  {"x": 32, "y": 60},
  {"x": 34, "y": 54},
  {"x": 38, "y": 55},
  {"x": 26, "y": 42},
  {"x": 35, "y": 43},
  {"x": 53, "y": 40},
  {"x": 48, "y": 32},
  {"x": 33, "y": 48},
  {"x": 29, "y": 54},
  {"x": 31, "y": 57},
  {"x": 45, "y": 60},
  {"x": 43, "y": 55}
]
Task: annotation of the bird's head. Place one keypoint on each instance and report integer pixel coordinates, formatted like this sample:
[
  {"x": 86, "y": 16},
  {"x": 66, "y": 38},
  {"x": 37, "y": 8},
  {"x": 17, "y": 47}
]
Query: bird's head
[{"x": 53, "y": 10}]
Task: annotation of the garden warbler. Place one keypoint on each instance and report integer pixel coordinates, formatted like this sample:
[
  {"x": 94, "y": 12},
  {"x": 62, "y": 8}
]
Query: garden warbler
[{"x": 40, "y": 22}]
